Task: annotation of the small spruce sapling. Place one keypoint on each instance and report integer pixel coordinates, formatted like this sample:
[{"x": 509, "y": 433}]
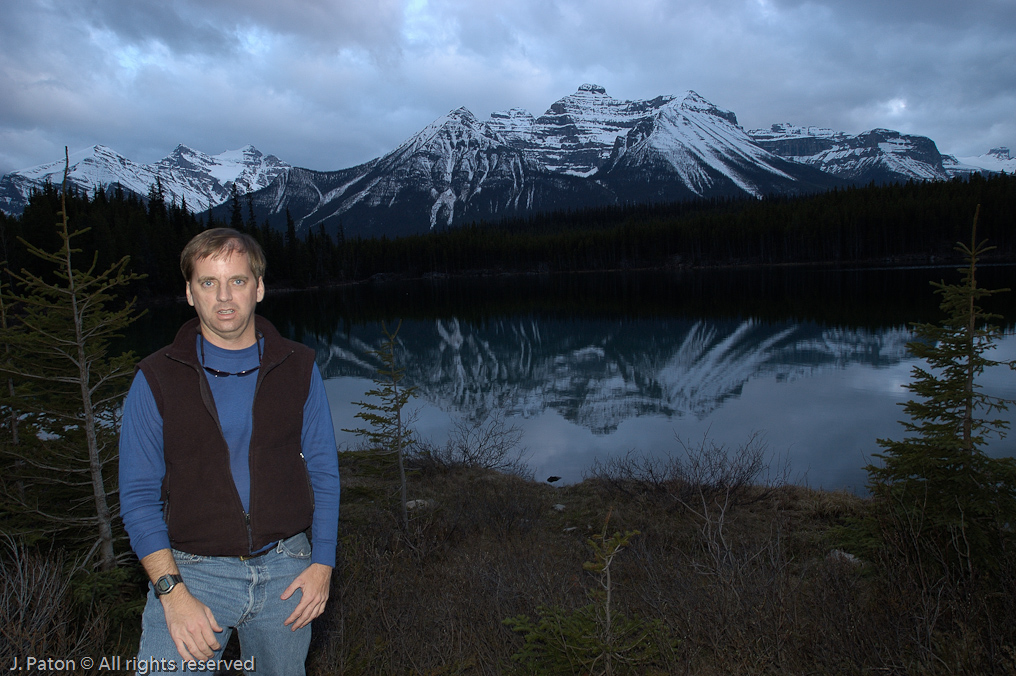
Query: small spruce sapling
[
  {"x": 389, "y": 435},
  {"x": 596, "y": 638},
  {"x": 938, "y": 480}
]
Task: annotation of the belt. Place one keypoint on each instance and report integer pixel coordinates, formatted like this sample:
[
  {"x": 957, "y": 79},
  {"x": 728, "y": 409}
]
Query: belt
[{"x": 269, "y": 550}]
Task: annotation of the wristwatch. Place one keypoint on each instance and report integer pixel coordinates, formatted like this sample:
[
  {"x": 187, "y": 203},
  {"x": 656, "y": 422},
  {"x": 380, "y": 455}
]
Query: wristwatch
[{"x": 165, "y": 584}]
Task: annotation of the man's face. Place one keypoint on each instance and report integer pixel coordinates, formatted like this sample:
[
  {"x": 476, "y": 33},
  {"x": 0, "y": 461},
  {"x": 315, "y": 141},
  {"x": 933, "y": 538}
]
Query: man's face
[{"x": 224, "y": 293}]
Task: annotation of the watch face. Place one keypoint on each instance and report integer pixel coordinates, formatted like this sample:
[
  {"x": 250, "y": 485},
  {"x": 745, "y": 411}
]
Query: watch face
[{"x": 165, "y": 584}]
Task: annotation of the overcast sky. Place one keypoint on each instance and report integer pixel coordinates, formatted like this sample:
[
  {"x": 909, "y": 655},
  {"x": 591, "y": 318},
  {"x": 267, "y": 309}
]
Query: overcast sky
[{"x": 328, "y": 84}]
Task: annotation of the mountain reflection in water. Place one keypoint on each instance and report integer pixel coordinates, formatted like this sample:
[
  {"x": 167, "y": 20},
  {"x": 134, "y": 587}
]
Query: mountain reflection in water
[
  {"x": 587, "y": 390},
  {"x": 597, "y": 374}
]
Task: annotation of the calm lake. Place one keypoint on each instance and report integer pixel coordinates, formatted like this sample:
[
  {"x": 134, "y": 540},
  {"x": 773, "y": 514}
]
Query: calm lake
[{"x": 591, "y": 366}]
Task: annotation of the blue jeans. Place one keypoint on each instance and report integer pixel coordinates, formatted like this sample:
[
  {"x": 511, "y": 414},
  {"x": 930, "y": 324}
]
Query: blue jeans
[{"x": 242, "y": 595}]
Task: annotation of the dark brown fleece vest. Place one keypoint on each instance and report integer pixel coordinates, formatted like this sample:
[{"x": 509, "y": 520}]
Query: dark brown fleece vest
[{"x": 201, "y": 504}]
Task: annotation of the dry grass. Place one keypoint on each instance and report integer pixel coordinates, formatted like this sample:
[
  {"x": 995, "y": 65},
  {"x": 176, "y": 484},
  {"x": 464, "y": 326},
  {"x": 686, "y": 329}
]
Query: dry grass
[
  {"x": 742, "y": 584},
  {"x": 742, "y": 580},
  {"x": 38, "y": 616}
]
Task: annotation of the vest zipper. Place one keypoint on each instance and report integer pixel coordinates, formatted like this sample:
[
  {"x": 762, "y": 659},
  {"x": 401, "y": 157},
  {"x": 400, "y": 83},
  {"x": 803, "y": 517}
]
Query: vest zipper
[{"x": 250, "y": 534}]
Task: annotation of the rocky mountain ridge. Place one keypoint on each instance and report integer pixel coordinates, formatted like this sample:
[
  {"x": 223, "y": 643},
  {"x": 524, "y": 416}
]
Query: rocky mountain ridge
[
  {"x": 587, "y": 149},
  {"x": 879, "y": 155},
  {"x": 186, "y": 176},
  {"x": 997, "y": 159}
]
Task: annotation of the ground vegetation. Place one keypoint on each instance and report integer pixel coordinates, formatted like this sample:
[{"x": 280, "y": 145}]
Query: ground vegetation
[{"x": 499, "y": 574}]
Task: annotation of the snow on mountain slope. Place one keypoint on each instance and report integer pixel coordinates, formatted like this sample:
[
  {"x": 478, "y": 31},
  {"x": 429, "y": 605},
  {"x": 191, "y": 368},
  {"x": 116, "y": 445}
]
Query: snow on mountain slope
[
  {"x": 996, "y": 159},
  {"x": 187, "y": 171},
  {"x": 514, "y": 124},
  {"x": 185, "y": 175},
  {"x": 879, "y": 155},
  {"x": 576, "y": 134},
  {"x": 700, "y": 146},
  {"x": 441, "y": 168},
  {"x": 455, "y": 169},
  {"x": 587, "y": 150},
  {"x": 89, "y": 169}
]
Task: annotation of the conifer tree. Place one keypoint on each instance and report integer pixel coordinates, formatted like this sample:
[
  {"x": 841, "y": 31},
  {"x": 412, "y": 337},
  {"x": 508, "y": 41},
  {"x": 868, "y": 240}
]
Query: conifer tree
[
  {"x": 390, "y": 433},
  {"x": 938, "y": 480},
  {"x": 60, "y": 468},
  {"x": 596, "y": 638}
]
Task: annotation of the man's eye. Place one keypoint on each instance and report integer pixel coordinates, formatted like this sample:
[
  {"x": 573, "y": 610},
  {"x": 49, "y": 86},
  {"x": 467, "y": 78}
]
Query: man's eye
[{"x": 238, "y": 282}]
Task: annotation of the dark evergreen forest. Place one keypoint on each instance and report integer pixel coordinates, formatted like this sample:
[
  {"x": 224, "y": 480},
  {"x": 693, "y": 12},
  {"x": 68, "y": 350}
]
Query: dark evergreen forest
[{"x": 891, "y": 224}]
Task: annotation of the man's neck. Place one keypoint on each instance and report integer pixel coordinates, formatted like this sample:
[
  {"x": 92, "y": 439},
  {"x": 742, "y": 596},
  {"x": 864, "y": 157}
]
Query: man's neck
[{"x": 240, "y": 342}]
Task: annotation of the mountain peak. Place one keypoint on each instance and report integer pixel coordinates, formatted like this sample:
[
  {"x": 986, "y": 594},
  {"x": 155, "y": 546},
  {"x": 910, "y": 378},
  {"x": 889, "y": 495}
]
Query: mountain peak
[
  {"x": 458, "y": 117},
  {"x": 996, "y": 159},
  {"x": 693, "y": 101},
  {"x": 575, "y": 135},
  {"x": 693, "y": 97},
  {"x": 1000, "y": 153},
  {"x": 459, "y": 126},
  {"x": 462, "y": 113}
]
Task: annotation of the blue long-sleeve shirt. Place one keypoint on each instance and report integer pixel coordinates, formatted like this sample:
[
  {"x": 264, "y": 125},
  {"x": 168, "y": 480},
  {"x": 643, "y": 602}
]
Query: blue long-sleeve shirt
[{"x": 143, "y": 465}]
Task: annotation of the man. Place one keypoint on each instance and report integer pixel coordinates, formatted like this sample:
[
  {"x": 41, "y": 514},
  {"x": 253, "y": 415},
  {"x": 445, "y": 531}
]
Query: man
[{"x": 227, "y": 458}]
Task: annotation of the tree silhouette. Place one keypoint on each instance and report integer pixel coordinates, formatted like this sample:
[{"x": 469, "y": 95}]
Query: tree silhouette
[
  {"x": 938, "y": 481},
  {"x": 59, "y": 471}
]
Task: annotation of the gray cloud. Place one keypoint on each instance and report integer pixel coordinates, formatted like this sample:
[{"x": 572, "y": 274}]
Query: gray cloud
[{"x": 327, "y": 84}]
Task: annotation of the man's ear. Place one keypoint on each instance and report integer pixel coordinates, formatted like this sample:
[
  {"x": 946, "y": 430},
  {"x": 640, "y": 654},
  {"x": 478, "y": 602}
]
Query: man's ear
[
  {"x": 261, "y": 289},
  {"x": 190, "y": 298}
]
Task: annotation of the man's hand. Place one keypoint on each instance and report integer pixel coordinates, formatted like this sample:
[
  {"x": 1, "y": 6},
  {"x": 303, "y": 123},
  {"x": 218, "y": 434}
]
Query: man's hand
[
  {"x": 191, "y": 623},
  {"x": 314, "y": 583}
]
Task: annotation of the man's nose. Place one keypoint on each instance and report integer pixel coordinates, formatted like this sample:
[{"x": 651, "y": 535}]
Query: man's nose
[{"x": 225, "y": 293}]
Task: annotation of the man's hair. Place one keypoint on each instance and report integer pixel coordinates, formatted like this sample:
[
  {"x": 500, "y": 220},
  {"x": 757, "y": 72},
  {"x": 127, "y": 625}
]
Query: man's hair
[{"x": 222, "y": 242}]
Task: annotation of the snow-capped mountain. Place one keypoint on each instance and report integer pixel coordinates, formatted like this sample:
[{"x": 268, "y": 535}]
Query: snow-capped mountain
[
  {"x": 588, "y": 149},
  {"x": 691, "y": 146},
  {"x": 577, "y": 133},
  {"x": 878, "y": 155},
  {"x": 186, "y": 175},
  {"x": 996, "y": 159},
  {"x": 457, "y": 169}
]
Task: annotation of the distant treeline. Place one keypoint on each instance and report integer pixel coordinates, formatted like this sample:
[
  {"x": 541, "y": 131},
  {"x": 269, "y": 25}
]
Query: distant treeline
[{"x": 895, "y": 224}]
